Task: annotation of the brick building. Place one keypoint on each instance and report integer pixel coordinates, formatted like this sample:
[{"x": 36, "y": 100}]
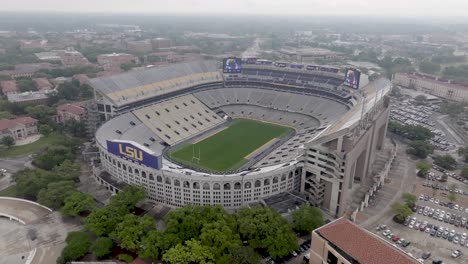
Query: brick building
[
  {"x": 9, "y": 87},
  {"x": 18, "y": 128},
  {"x": 112, "y": 62},
  {"x": 76, "y": 111}
]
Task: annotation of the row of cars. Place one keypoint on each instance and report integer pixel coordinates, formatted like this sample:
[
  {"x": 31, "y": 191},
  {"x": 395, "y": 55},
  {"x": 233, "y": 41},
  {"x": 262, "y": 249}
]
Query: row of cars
[
  {"x": 442, "y": 216},
  {"x": 387, "y": 232},
  {"x": 302, "y": 248},
  {"x": 438, "y": 231},
  {"x": 449, "y": 205},
  {"x": 441, "y": 187}
]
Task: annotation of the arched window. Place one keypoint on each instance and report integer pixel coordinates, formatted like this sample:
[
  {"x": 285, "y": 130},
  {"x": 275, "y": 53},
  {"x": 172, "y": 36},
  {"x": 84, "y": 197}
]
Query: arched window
[
  {"x": 186, "y": 184},
  {"x": 177, "y": 183},
  {"x": 237, "y": 186},
  {"x": 266, "y": 182},
  {"x": 206, "y": 186},
  {"x": 159, "y": 178},
  {"x": 137, "y": 172},
  {"x": 196, "y": 185},
  {"x": 119, "y": 164},
  {"x": 258, "y": 183},
  {"x": 247, "y": 185},
  {"x": 275, "y": 180},
  {"x": 227, "y": 186},
  {"x": 290, "y": 175},
  {"x": 130, "y": 169},
  {"x": 283, "y": 177},
  {"x": 216, "y": 186},
  {"x": 124, "y": 167},
  {"x": 168, "y": 180},
  {"x": 143, "y": 174},
  {"x": 151, "y": 177}
]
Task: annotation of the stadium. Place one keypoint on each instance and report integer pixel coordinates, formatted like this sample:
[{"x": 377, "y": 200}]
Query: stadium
[{"x": 238, "y": 132}]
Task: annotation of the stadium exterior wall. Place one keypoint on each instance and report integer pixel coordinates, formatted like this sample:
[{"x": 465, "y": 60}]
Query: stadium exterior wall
[{"x": 177, "y": 189}]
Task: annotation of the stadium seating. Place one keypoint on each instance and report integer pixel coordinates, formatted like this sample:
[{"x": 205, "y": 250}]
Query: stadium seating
[{"x": 178, "y": 119}]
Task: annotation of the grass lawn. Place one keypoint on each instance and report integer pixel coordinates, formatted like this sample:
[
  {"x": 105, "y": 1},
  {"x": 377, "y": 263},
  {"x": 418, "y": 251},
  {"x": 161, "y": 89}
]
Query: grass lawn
[
  {"x": 9, "y": 192},
  {"x": 227, "y": 150},
  {"x": 29, "y": 148}
]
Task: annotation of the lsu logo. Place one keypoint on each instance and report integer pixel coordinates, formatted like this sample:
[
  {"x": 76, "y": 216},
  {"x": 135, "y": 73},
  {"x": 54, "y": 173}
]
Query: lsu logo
[{"x": 130, "y": 152}]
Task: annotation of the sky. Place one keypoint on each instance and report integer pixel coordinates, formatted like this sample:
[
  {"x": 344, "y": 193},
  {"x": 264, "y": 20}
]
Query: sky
[{"x": 388, "y": 8}]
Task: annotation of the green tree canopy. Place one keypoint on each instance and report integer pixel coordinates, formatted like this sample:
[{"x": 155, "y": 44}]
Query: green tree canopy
[
  {"x": 410, "y": 199},
  {"x": 131, "y": 230},
  {"x": 307, "y": 218},
  {"x": 103, "y": 221},
  {"x": 43, "y": 113},
  {"x": 429, "y": 67},
  {"x": 187, "y": 222},
  {"x": 423, "y": 168},
  {"x": 26, "y": 85},
  {"x": 243, "y": 255},
  {"x": 52, "y": 156},
  {"x": 401, "y": 211},
  {"x": 410, "y": 131},
  {"x": 30, "y": 182},
  {"x": 76, "y": 203},
  {"x": 452, "y": 109},
  {"x": 464, "y": 171},
  {"x": 77, "y": 246},
  {"x": 54, "y": 195},
  {"x": 151, "y": 245},
  {"x": 102, "y": 247},
  {"x": 463, "y": 151},
  {"x": 7, "y": 141},
  {"x": 447, "y": 162},
  {"x": 220, "y": 238},
  {"x": 420, "y": 149},
  {"x": 128, "y": 197},
  {"x": 45, "y": 130},
  {"x": 265, "y": 228},
  {"x": 192, "y": 252}
]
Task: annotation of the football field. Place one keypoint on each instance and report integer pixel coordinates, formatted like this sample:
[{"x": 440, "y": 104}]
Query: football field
[{"x": 228, "y": 149}]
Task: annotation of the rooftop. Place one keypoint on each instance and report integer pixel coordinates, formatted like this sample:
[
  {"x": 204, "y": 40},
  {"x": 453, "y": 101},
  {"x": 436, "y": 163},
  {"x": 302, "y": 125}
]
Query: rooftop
[
  {"x": 362, "y": 245},
  {"x": 27, "y": 96},
  {"x": 76, "y": 109},
  {"x": 9, "y": 87},
  {"x": 12, "y": 123}
]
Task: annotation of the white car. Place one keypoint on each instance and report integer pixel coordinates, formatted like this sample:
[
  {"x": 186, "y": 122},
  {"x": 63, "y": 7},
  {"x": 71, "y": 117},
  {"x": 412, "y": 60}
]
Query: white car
[
  {"x": 456, "y": 253},
  {"x": 386, "y": 232},
  {"x": 456, "y": 207}
]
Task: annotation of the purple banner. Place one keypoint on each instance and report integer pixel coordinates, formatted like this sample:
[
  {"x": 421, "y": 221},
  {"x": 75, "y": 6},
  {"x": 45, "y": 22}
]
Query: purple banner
[{"x": 133, "y": 153}]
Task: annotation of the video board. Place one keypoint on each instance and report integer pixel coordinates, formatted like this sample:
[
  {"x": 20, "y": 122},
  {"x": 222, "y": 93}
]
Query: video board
[
  {"x": 232, "y": 65},
  {"x": 352, "y": 78},
  {"x": 134, "y": 153}
]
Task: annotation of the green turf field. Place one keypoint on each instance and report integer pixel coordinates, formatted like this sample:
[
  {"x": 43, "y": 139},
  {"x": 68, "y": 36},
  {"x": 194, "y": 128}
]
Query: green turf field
[{"x": 227, "y": 150}]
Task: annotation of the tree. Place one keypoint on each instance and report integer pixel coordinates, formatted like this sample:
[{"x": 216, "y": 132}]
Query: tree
[
  {"x": 130, "y": 231},
  {"x": 452, "y": 196},
  {"x": 307, "y": 218},
  {"x": 77, "y": 246},
  {"x": 265, "y": 228},
  {"x": 52, "y": 156},
  {"x": 411, "y": 132},
  {"x": 420, "y": 99},
  {"x": 68, "y": 170},
  {"x": 219, "y": 237},
  {"x": 103, "y": 221},
  {"x": 125, "y": 257},
  {"x": 463, "y": 151},
  {"x": 191, "y": 252},
  {"x": 45, "y": 130},
  {"x": 243, "y": 255},
  {"x": 54, "y": 195},
  {"x": 447, "y": 162},
  {"x": 420, "y": 149},
  {"x": 429, "y": 67},
  {"x": 43, "y": 113},
  {"x": 8, "y": 141},
  {"x": 76, "y": 203},
  {"x": 401, "y": 211},
  {"x": 464, "y": 172},
  {"x": 26, "y": 85},
  {"x": 68, "y": 91},
  {"x": 30, "y": 182},
  {"x": 423, "y": 168},
  {"x": 452, "y": 109},
  {"x": 186, "y": 223},
  {"x": 151, "y": 245},
  {"x": 410, "y": 199},
  {"x": 128, "y": 197},
  {"x": 76, "y": 128},
  {"x": 102, "y": 247}
]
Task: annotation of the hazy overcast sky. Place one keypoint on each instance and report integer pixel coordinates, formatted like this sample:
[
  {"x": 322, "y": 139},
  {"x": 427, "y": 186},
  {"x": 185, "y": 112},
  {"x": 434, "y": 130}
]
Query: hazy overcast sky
[{"x": 286, "y": 7}]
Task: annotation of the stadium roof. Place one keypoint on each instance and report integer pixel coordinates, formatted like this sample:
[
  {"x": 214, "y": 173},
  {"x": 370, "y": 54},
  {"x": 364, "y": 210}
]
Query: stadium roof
[{"x": 137, "y": 85}]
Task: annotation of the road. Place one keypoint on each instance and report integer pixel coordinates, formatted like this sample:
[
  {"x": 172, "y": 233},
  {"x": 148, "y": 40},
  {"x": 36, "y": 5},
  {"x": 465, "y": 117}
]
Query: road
[{"x": 12, "y": 165}]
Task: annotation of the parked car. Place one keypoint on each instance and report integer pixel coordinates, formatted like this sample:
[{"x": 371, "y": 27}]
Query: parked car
[{"x": 456, "y": 253}]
